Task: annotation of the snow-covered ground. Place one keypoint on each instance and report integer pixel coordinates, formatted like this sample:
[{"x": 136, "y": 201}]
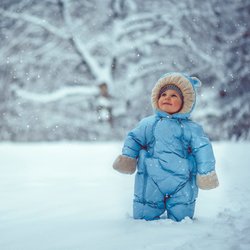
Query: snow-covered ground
[{"x": 66, "y": 196}]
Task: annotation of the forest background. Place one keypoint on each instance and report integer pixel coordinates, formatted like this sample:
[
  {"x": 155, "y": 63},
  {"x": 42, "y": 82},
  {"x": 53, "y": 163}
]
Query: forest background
[{"x": 84, "y": 70}]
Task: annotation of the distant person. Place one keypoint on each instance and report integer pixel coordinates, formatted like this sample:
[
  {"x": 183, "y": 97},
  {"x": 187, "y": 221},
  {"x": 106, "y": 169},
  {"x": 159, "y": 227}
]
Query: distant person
[{"x": 172, "y": 154}]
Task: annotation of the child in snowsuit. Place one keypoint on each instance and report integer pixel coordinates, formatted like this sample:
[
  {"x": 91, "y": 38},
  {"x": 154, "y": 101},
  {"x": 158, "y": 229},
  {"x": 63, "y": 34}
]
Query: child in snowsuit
[{"x": 172, "y": 154}]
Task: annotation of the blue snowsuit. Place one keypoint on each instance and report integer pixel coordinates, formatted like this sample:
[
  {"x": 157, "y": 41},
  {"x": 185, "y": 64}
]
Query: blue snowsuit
[{"x": 170, "y": 151}]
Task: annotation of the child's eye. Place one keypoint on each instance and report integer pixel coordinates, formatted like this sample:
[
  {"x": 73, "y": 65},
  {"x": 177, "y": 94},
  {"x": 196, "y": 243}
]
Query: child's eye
[
  {"x": 163, "y": 94},
  {"x": 174, "y": 95}
]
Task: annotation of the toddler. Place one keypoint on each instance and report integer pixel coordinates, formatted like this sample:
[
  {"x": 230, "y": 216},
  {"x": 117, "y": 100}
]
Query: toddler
[{"x": 172, "y": 154}]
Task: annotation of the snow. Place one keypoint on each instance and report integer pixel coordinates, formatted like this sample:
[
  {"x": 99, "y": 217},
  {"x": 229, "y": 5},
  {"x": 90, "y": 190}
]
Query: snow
[{"x": 67, "y": 196}]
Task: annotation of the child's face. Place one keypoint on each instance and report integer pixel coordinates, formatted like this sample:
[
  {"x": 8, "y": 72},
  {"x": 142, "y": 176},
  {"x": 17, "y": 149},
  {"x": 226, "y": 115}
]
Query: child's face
[{"x": 170, "y": 101}]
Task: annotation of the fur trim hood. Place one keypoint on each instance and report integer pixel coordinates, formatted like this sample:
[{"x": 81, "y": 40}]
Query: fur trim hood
[{"x": 185, "y": 83}]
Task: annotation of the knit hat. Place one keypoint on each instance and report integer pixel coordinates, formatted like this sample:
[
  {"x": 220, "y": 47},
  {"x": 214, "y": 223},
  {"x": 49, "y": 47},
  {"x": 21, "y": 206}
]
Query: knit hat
[
  {"x": 173, "y": 87},
  {"x": 184, "y": 83}
]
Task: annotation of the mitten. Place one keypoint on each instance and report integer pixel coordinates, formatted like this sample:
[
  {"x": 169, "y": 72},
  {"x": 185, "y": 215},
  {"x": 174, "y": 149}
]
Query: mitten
[
  {"x": 207, "y": 181},
  {"x": 124, "y": 164}
]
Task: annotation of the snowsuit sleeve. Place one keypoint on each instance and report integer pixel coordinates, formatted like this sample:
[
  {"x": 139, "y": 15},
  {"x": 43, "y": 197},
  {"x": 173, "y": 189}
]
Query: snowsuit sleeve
[
  {"x": 135, "y": 140},
  {"x": 202, "y": 150}
]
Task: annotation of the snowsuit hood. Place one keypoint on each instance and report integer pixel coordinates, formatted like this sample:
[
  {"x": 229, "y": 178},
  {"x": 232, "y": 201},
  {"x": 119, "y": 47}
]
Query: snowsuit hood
[{"x": 185, "y": 83}]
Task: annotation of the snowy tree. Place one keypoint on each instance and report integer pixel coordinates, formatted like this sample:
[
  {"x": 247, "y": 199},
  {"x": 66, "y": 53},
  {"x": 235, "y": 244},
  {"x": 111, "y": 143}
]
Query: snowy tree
[
  {"x": 237, "y": 64},
  {"x": 56, "y": 54},
  {"x": 231, "y": 114}
]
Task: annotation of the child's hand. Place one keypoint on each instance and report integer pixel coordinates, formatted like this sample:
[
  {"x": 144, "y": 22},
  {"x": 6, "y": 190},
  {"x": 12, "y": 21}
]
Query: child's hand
[
  {"x": 207, "y": 181},
  {"x": 124, "y": 164}
]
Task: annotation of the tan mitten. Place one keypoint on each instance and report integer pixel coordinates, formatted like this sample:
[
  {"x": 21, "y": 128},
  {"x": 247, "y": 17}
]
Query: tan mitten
[
  {"x": 207, "y": 181},
  {"x": 124, "y": 164}
]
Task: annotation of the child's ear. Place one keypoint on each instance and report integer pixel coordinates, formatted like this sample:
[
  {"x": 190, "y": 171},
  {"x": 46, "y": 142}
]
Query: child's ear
[{"x": 197, "y": 83}]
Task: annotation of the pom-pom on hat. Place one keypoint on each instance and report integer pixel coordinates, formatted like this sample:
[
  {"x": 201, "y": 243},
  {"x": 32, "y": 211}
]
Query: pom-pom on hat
[{"x": 185, "y": 84}]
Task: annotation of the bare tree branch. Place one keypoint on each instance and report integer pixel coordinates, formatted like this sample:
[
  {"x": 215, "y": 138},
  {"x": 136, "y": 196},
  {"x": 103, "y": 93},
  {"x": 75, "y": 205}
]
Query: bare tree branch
[
  {"x": 98, "y": 72},
  {"x": 55, "y": 96}
]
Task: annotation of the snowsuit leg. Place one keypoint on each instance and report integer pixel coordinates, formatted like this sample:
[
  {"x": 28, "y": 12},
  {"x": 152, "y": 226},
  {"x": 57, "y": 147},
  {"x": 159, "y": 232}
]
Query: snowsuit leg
[
  {"x": 182, "y": 203},
  {"x": 149, "y": 201}
]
